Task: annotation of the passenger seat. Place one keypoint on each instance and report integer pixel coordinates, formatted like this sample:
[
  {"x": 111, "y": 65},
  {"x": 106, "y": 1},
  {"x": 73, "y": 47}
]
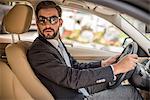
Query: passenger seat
[
  {"x": 18, "y": 20},
  {"x": 10, "y": 87}
]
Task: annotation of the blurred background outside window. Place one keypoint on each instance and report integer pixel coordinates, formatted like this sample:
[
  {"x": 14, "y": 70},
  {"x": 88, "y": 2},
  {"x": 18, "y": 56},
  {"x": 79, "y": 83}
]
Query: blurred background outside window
[
  {"x": 87, "y": 30},
  {"x": 83, "y": 29}
]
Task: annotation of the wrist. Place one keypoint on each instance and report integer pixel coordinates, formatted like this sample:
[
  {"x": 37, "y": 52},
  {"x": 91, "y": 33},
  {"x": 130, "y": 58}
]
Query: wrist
[
  {"x": 112, "y": 67},
  {"x": 103, "y": 63},
  {"x": 116, "y": 69}
]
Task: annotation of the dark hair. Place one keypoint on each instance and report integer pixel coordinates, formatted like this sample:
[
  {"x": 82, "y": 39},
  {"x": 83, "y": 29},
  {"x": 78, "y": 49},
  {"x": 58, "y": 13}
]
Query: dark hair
[{"x": 48, "y": 4}]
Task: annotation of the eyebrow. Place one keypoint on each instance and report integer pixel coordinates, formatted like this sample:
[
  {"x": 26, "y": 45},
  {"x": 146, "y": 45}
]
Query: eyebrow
[
  {"x": 42, "y": 17},
  {"x": 48, "y": 17}
]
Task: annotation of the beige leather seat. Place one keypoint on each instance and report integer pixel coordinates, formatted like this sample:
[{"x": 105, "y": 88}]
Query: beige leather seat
[
  {"x": 18, "y": 21},
  {"x": 10, "y": 87}
]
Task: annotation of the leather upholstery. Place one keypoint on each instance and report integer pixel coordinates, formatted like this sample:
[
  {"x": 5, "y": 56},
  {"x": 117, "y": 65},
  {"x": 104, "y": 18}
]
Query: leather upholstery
[
  {"x": 16, "y": 55},
  {"x": 10, "y": 86},
  {"x": 18, "y": 21}
]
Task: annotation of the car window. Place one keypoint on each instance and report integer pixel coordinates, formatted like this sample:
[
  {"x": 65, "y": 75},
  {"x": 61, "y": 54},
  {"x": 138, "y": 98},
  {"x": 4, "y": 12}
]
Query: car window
[
  {"x": 3, "y": 10},
  {"x": 82, "y": 29}
]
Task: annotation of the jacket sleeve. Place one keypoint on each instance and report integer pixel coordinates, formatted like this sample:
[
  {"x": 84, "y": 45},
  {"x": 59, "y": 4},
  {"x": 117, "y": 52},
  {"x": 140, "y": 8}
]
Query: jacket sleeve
[
  {"x": 77, "y": 65},
  {"x": 48, "y": 65}
]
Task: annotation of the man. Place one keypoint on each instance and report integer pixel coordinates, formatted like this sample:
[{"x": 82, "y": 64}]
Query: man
[{"x": 62, "y": 75}]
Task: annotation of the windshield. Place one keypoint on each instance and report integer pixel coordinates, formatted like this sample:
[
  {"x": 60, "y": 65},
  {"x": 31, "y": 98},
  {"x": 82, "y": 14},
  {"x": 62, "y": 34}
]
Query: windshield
[{"x": 140, "y": 26}]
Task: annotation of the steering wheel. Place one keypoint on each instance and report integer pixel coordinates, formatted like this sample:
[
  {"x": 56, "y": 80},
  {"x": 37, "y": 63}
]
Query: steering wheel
[
  {"x": 131, "y": 48},
  {"x": 141, "y": 76}
]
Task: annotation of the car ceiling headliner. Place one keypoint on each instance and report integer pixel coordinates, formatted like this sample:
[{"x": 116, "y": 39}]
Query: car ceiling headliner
[{"x": 139, "y": 9}]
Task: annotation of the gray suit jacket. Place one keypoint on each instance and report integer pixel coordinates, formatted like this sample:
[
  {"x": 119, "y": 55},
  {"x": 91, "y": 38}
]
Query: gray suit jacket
[{"x": 63, "y": 81}]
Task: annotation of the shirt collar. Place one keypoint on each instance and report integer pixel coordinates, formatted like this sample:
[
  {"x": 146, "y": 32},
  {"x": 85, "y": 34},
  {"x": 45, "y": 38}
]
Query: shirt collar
[{"x": 54, "y": 42}]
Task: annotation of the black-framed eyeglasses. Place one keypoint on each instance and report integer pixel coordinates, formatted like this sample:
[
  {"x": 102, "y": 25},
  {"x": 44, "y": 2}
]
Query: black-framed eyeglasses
[{"x": 52, "y": 20}]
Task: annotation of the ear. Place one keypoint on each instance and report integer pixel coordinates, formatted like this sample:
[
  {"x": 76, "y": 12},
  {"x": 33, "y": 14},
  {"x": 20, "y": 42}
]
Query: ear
[{"x": 60, "y": 22}]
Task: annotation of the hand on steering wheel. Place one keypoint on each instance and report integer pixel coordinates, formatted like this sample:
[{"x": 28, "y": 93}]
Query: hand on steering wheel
[{"x": 132, "y": 48}]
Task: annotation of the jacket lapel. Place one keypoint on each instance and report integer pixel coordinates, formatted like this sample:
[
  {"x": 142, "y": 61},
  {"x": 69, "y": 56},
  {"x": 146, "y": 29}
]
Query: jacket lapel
[{"x": 52, "y": 48}]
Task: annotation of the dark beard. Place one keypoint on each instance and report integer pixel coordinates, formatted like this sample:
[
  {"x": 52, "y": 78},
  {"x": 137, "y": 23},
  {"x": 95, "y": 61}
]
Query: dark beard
[{"x": 49, "y": 36}]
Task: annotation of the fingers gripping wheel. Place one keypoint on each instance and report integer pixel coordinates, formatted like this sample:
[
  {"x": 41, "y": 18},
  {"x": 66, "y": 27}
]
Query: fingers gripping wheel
[{"x": 132, "y": 48}]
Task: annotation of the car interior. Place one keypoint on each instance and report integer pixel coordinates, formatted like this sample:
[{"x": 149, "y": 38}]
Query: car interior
[{"x": 17, "y": 79}]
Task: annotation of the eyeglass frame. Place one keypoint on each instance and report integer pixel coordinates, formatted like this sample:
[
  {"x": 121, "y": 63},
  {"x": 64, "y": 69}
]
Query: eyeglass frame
[{"x": 47, "y": 19}]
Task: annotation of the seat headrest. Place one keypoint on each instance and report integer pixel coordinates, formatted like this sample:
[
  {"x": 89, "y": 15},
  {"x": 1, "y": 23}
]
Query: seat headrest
[{"x": 18, "y": 19}]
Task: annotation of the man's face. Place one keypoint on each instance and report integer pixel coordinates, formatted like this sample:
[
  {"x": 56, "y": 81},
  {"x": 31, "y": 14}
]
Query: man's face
[{"x": 48, "y": 22}]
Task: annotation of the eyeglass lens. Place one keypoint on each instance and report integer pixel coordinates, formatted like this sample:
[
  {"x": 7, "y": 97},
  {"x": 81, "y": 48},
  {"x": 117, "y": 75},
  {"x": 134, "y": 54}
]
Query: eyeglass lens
[{"x": 52, "y": 20}]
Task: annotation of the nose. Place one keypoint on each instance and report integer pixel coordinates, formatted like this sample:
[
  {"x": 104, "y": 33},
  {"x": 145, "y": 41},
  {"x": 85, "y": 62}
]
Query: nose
[{"x": 48, "y": 24}]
